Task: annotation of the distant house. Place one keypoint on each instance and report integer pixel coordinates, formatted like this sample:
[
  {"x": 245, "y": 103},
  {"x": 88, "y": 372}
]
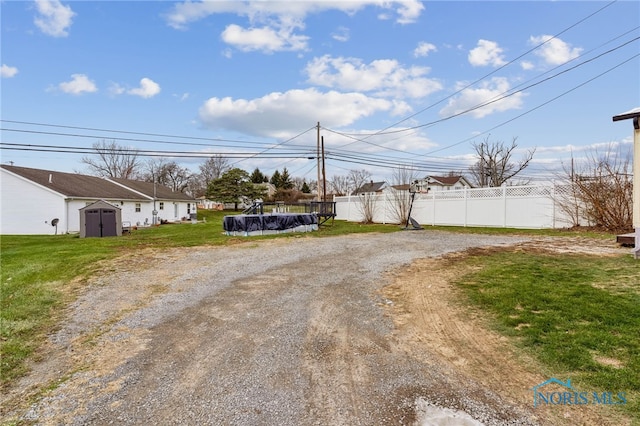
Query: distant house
[
  {"x": 441, "y": 183},
  {"x": 32, "y": 198},
  {"x": 370, "y": 188}
]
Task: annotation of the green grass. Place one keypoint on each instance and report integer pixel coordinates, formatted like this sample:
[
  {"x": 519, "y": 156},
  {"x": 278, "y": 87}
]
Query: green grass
[
  {"x": 41, "y": 273},
  {"x": 578, "y": 315}
]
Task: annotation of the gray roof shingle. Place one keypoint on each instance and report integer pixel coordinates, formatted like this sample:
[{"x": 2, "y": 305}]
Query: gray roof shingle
[
  {"x": 76, "y": 185},
  {"x": 162, "y": 192}
]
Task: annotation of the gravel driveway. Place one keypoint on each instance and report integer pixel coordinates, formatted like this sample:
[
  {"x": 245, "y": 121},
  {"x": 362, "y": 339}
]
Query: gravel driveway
[{"x": 281, "y": 332}]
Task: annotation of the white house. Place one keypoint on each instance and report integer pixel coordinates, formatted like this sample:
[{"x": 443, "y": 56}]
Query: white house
[
  {"x": 30, "y": 200},
  {"x": 442, "y": 183},
  {"x": 370, "y": 188}
]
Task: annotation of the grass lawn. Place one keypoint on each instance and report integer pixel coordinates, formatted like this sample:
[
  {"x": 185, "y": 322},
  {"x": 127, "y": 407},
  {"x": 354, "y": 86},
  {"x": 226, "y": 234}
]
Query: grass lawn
[
  {"x": 579, "y": 315},
  {"x": 41, "y": 273}
]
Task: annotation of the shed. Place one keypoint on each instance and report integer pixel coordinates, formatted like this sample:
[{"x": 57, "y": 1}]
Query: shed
[{"x": 100, "y": 219}]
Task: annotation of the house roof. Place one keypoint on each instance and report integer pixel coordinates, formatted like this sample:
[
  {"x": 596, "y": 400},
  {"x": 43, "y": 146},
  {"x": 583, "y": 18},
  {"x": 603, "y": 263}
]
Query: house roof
[
  {"x": 402, "y": 187},
  {"x": 161, "y": 192},
  {"x": 369, "y": 187},
  {"x": 446, "y": 180},
  {"x": 74, "y": 185}
]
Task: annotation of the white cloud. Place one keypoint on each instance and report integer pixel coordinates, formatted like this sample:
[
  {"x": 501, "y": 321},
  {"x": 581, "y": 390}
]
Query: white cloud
[
  {"x": 7, "y": 72},
  {"x": 526, "y": 65},
  {"x": 407, "y": 11},
  {"x": 554, "y": 51},
  {"x": 489, "y": 90},
  {"x": 266, "y": 39},
  {"x": 486, "y": 53},
  {"x": 424, "y": 49},
  {"x": 383, "y": 77},
  {"x": 148, "y": 89},
  {"x": 273, "y": 25},
  {"x": 54, "y": 18},
  {"x": 275, "y": 114},
  {"x": 116, "y": 89},
  {"x": 78, "y": 85},
  {"x": 341, "y": 34}
]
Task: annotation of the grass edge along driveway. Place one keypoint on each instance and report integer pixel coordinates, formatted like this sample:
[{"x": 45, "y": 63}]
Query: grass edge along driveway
[{"x": 579, "y": 315}]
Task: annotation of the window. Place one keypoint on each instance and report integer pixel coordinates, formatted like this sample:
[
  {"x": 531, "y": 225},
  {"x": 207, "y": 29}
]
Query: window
[
  {"x": 137, "y": 207},
  {"x": 161, "y": 205}
]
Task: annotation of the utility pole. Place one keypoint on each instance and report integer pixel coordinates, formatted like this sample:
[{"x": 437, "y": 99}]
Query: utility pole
[
  {"x": 324, "y": 176},
  {"x": 318, "y": 161}
]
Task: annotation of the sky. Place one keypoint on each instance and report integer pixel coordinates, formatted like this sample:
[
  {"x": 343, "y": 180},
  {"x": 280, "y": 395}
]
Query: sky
[{"x": 392, "y": 84}]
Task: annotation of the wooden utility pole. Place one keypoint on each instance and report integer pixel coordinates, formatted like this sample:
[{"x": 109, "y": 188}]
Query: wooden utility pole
[
  {"x": 318, "y": 162},
  {"x": 324, "y": 176}
]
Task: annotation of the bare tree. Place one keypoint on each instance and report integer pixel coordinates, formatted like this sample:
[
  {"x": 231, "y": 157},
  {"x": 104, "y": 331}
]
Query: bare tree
[
  {"x": 357, "y": 178},
  {"x": 175, "y": 177},
  {"x": 214, "y": 168},
  {"x": 113, "y": 160},
  {"x": 339, "y": 185},
  {"x": 495, "y": 165},
  {"x": 602, "y": 189},
  {"x": 367, "y": 206},
  {"x": 400, "y": 196},
  {"x": 567, "y": 195},
  {"x": 167, "y": 173}
]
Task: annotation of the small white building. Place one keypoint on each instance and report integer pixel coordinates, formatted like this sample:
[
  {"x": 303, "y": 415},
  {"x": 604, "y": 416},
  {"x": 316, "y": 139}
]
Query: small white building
[
  {"x": 30, "y": 200},
  {"x": 442, "y": 183}
]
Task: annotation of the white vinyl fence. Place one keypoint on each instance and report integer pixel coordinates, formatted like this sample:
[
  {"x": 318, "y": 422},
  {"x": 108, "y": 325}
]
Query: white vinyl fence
[{"x": 531, "y": 207}]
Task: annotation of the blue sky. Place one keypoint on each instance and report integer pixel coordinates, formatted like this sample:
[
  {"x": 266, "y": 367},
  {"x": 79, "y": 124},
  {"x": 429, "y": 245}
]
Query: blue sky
[{"x": 391, "y": 83}]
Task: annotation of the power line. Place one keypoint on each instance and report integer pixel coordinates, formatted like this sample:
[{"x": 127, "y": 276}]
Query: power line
[
  {"x": 538, "y": 106},
  {"x": 499, "y": 68},
  {"x": 497, "y": 98},
  {"x": 151, "y": 153},
  {"x": 129, "y": 132}
]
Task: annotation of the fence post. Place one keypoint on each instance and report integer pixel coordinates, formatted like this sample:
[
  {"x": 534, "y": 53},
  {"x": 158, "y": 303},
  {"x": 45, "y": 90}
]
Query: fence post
[
  {"x": 553, "y": 205},
  {"x": 433, "y": 217},
  {"x": 504, "y": 205},
  {"x": 465, "y": 206}
]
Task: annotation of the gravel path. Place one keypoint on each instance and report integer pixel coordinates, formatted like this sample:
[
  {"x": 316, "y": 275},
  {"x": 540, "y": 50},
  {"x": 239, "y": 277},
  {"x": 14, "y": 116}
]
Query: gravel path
[{"x": 288, "y": 331}]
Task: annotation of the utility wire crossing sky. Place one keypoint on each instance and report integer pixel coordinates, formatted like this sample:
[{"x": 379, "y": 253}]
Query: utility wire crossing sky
[{"x": 392, "y": 84}]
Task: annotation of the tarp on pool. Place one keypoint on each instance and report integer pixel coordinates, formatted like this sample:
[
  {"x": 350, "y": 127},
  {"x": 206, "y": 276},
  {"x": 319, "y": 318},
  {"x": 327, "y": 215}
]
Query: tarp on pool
[{"x": 261, "y": 224}]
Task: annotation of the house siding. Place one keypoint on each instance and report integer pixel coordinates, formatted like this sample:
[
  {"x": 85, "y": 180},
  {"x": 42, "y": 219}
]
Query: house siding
[{"x": 28, "y": 208}]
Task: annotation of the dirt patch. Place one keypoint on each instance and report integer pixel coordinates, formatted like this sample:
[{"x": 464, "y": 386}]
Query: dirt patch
[{"x": 432, "y": 318}]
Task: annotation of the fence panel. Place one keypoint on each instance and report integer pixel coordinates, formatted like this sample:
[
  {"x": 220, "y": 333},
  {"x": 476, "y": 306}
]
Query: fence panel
[{"x": 530, "y": 207}]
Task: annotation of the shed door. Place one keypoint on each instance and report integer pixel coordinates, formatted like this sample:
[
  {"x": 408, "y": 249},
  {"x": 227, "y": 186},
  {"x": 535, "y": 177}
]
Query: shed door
[
  {"x": 108, "y": 218},
  {"x": 92, "y": 223}
]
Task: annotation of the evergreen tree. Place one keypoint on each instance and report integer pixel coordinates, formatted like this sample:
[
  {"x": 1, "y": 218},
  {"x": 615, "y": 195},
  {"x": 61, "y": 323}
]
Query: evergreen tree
[
  {"x": 257, "y": 176},
  {"x": 276, "y": 179},
  {"x": 285, "y": 180},
  {"x": 232, "y": 186},
  {"x": 305, "y": 188}
]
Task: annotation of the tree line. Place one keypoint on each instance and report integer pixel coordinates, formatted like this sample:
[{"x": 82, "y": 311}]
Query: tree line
[{"x": 601, "y": 185}]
